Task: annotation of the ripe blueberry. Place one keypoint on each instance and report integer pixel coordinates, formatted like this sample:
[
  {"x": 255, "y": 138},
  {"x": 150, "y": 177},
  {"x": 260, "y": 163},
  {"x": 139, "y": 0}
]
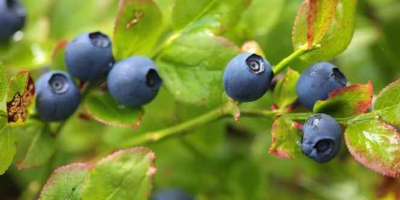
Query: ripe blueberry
[
  {"x": 57, "y": 96},
  {"x": 134, "y": 81},
  {"x": 89, "y": 56},
  {"x": 12, "y": 18},
  {"x": 172, "y": 194},
  {"x": 247, "y": 77},
  {"x": 321, "y": 138},
  {"x": 317, "y": 82}
]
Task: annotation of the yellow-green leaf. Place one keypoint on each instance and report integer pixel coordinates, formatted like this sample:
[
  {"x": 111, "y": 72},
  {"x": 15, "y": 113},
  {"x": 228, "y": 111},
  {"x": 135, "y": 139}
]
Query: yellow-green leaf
[{"x": 387, "y": 104}]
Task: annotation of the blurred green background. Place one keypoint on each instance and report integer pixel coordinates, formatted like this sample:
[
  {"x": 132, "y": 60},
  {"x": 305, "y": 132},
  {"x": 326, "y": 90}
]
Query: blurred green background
[{"x": 226, "y": 160}]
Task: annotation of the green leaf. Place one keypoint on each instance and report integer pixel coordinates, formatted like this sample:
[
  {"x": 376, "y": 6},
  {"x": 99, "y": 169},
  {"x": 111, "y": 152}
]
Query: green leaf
[
  {"x": 3, "y": 82},
  {"x": 192, "y": 67},
  {"x": 105, "y": 109},
  {"x": 57, "y": 57},
  {"x": 346, "y": 101},
  {"x": 387, "y": 104},
  {"x": 7, "y": 143},
  {"x": 285, "y": 139},
  {"x": 36, "y": 145},
  {"x": 66, "y": 182},
  {"x": 21, "y": 93},
  {"x": 86, "y": 14},
  {"x": 215, "y": 15},
  {"x": 256, "y": 22},
  {"x": 285, "y": 90},
  {"x": 126, "y": 174},
  {"x": 313, "y": 21},
  {"x": 246, "y": 180},
  {"x": 338, "y": 36},
  {"x": 376, "y": 145},
  {"x": 137, "y": 27}
]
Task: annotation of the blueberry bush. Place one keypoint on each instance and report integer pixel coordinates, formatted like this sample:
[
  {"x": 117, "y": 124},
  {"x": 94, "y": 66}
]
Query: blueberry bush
[{"x": 237, "y": 99}]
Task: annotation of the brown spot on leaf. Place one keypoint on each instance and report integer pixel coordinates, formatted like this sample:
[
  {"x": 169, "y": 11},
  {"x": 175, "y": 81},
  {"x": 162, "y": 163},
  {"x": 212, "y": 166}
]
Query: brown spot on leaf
[
  {"x": 137, "y": 16},
  {"x": 29, "y": 94},
  {"x": 16, "y": 107}
]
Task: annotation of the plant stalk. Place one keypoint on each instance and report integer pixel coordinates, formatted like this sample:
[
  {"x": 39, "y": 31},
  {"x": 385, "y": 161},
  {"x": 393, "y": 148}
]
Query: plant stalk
[
  {"x": 179, "y": 128},
  {"x": 286, "y": 61}
]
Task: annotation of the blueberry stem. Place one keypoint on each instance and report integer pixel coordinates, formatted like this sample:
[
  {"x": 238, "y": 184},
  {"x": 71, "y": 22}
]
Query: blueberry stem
[
  {"x": 343, "y": 120},
  {"x": 229, "y": 109},
  {"x": 286, "y": 61},
  {"x": 259, "y": 113}
]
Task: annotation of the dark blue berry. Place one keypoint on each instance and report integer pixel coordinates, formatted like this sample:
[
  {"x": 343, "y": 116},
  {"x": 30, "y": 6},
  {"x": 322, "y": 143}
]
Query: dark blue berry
[
  {"x": 172, "y": 194},
  {"x": 247, "y": 77},
  {"x": 134, "y": 81},
  {"x": 317, "y": 82},
  {"x": 89, "y": 56},
  {"x": 321, "y": 138},
  {"x": 57, "y": 96},
  {"x": 12, "y": 18}
]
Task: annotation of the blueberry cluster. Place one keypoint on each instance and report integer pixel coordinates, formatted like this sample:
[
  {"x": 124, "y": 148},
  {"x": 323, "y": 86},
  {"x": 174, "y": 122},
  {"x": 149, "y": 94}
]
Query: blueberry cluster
[
  {"x": 12, "y": 18},
  {"x": 247, "y": 77},
  {"x": 135, "y": 82},
  {"x": 132, "y": 82}
]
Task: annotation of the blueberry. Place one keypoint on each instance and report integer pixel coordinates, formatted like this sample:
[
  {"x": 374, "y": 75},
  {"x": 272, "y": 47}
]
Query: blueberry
[
  {"x": 172, "y": 194},
  {"x": 321, "y": 138},
  {"x": 57, "y": 96},
  {"x": 247, "y": 77},
  {"x": 134, "y": 81},
  {"x": 89, "y": 56},
  {"x": 12, "y": 18},
  {"x": 316, "y": 82}
]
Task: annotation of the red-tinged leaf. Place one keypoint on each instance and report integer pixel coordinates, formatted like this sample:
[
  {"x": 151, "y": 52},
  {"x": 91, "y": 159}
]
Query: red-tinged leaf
[
  {"x": 313, "y": 21},
  {"x": 387, "y": 104},
  {"x": 347, "y": 101},
  {"x": 332, "y": 35},
  {"x": 285, "y": 139},
  {"x": 21, "y": 94},
  {"x": 376, "y": 145},
  {"x": 66, "y": 182}
]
